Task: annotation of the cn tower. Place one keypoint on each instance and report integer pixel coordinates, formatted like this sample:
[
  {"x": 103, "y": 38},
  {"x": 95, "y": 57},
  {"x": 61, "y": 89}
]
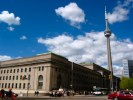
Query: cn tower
[{"x": 107, "y": 34}]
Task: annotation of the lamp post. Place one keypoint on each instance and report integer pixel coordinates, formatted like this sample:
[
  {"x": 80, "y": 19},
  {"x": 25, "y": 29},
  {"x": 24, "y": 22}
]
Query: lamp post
[
  {"x": 107, "y": 34},
  {"x": 72, "y": 76},
  {"x": 28, "y": 86}
]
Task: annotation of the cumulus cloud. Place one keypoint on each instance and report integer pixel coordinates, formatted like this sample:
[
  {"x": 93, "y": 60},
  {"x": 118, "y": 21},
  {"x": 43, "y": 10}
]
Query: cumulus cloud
[
  {"x": 72, "y": 13},
  {"x": 4, "y": 57},
  {"x": 10, "y": 28},
  {"x": 9, "y": 18},
  {"x": 90, "y": 47},
  {"x": 23, "y": 37},
  {"x": 120, "y": 12}
]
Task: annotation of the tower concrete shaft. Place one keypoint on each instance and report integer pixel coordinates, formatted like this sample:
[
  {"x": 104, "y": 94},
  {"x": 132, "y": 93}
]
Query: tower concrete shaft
[{"x": 107, "y": 34}]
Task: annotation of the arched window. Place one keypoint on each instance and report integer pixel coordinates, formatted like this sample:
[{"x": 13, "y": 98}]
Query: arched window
[{"x": 40, "y": 82}]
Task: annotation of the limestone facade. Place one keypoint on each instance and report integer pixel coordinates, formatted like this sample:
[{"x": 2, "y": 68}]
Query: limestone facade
[{"x": 49, "y": 71}]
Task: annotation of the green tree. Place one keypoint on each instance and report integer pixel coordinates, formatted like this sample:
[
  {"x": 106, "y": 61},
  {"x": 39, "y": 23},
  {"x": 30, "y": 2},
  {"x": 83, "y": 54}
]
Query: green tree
[{"x": 126, "y": 83}]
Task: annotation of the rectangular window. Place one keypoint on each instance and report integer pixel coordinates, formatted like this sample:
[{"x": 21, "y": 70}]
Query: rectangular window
[
  {"x": 7, "y": 71},
  {"x": 39, "y": 68},
  {"x": 20, "y": 85},
  {"x": 16, "y": 85},
  {"x": 29, "y": 69},
  {"x": 42, "y": 68},
  {"x": 24, "y": 86},
  {"x": 11, "y": 71},
  {"x": 9, "y": 85},
  {"x": 16, "y": 77},
  {"x": 9, "y": 77},
  {"x": 25, "y": 69},
  {"x": 6, "y": 77},
  {"x": 17, "y": 70},
  {"x": 21, "y": 69},
  {"x": 14, "y": 70},
  {"x": 13, "y": 77},
  {"x": 4, "y": 71},
  {"x": 5, "y": 85},
  {"x": 2, "y": 85},
  {"x": 3, "y": 77},
  {"x": 12, "y": 85}
]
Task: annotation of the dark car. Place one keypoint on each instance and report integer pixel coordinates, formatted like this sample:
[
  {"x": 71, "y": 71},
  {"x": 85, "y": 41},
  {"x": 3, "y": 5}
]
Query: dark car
[
  {"x": 7, "y": 94},
  {"x": 121, "y": 95}
]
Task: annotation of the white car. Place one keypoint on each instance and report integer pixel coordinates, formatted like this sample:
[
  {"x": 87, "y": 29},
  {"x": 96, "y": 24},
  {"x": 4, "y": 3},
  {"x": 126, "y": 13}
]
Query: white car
[{"x": 97, "y": 93}]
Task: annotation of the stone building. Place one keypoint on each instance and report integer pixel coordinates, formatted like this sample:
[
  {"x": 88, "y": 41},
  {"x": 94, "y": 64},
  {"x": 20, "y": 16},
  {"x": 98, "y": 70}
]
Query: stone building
[{"x": 49, "y": 71}]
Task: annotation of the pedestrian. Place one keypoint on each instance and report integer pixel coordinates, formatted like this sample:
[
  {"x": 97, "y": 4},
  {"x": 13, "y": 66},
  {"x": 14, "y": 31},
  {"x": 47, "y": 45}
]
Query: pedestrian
[
  {"x": 35, "y": 93},
  {"x": 2, "y": 94}
]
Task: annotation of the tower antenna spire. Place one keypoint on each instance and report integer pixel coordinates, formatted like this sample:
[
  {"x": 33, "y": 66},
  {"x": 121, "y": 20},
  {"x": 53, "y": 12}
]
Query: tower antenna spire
[
  {"x": 106, "y": 17},
  {"x": 106, "y": 21}
]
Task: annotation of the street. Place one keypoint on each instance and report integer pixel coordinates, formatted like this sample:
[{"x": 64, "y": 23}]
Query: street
[{"x": 64, "y": 98}]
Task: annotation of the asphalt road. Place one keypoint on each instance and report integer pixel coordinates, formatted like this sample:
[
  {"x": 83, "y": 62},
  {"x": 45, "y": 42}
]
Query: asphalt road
[{"x": 65, "y": 98}]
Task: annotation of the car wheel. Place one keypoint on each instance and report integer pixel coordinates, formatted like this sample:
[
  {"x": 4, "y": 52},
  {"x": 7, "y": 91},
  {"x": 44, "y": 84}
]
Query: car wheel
[{"x": 115, "y": 98}]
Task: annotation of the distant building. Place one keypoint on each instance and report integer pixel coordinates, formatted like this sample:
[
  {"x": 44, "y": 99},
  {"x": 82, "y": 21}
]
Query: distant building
[
  {"x": 127, "y": 68},
  {"x": 49, "y": 71}
]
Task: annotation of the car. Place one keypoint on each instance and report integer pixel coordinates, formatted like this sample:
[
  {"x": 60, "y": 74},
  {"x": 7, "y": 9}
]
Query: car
[
  {"x": 121, "y": 95},
  {"x": 97, "y": 93}
]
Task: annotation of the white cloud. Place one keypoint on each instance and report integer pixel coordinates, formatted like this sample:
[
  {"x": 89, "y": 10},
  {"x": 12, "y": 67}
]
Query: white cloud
[
  {"x": 120, "y": 12},
  {"x": 72, "y": 13},
  {"x": 23, "y": 37},
  {"x": 10, "y": 28},
  {"x": 4, "y": 57},
  {"x": 90, "y": 48},
  {"x": 9, "y": 18}
]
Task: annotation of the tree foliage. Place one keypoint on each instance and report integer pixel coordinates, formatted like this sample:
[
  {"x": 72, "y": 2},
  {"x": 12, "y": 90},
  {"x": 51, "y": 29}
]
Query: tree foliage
[{"x": 126, "y": 83}]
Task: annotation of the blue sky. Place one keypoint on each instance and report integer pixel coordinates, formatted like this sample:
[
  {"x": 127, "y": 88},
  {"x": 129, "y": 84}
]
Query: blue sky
[{"x": 71, "y": 28}]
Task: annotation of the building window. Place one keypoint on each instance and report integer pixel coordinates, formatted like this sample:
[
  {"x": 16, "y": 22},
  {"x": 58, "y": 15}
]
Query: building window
[
  {"x": 7, "y": 71},
  {"x": 5, "y": 85},
  {"x": 21, "y": 69},
  {"x": 16, "y": 85},
  {"x": 1, "y": 71},
  {"x": 6, "y": 77},
  {"x": 9, "y": 85},
  {"x": 16, "y": 77},
  {"x": 24, "y": 86},
  {"x": 40, "y": 82},
  {"x": 20, "y": 77},
  {"x": 13, "y": 77},
  {"x": 4, "y": 71},
  {"x": 20, "y": 85},
  {"x": 10, "y": 78},
  {"x": 39, "y": 68},
  {"x": 17, "y": 70},
  {"x": 14, "y": 70},
  {"x": 12, "y": 85},
  {"x": 28, "y": 77},
  {"x": 29, "y": 69},
  {"x": 11, "y": 71},
  {"x": 3, "y": 77},
  {"x": 2, "y": 85},
  {"x": 42, "y": 68},
  {"x": 25, "y": 69},
  {"x": 0, "y": 78}
]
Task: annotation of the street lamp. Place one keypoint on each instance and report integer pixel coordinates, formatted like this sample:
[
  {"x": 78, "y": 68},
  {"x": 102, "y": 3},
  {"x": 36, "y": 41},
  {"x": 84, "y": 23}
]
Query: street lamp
[
  {"x": 72, "y": 76},
  {"x": 28, "y": 86},
  {"x": 107, "y": 34}
]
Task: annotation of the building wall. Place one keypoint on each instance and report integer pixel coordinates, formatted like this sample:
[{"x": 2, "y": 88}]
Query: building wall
[{"x": 51, "y": 71}]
